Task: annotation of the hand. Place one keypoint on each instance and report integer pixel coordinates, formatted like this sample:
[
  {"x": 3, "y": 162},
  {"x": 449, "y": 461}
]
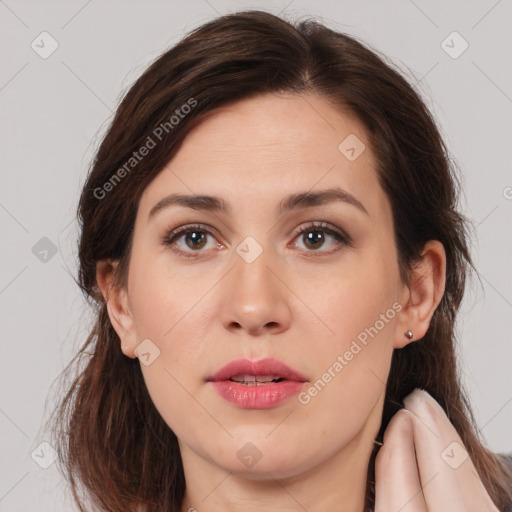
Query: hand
[{"x": 418, "y": 469}]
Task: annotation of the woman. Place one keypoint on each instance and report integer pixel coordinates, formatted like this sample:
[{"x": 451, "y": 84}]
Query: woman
[{"x": 271, "y": 236}]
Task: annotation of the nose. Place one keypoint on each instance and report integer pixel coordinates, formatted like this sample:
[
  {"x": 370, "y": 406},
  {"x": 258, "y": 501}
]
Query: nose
[{"x": 256, "y": 298}]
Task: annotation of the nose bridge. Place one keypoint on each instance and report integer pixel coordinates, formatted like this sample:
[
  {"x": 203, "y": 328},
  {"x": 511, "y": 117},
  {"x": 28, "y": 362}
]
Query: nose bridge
[
  {"x": 252, "y": 268},
  {"x": 256, "y": 299}
]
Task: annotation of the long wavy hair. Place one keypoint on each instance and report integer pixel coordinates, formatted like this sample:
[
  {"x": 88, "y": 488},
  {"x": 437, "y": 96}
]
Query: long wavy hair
[{"x": 114, "y": 447}]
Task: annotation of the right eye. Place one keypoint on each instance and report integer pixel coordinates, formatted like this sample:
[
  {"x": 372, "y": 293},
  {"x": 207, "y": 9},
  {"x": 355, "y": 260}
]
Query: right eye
[{"x": 193, "y": 236}]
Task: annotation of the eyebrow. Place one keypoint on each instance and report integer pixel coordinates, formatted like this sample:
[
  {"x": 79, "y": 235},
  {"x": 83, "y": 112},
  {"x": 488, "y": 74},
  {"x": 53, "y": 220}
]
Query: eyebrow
[{"x": 292, "y": 202}]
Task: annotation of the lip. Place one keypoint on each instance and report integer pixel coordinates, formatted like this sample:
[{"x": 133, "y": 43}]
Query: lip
[
  {"x": 262, "y": 396},
  {"x": 265, "y": 366}
]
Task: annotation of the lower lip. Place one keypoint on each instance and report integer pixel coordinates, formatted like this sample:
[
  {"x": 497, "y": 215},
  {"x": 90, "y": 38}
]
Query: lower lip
[{"x": 264, "y": 396}]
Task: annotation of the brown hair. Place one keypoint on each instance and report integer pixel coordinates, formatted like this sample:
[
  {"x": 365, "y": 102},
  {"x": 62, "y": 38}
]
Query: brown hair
[{"x": 115, "y": 448}]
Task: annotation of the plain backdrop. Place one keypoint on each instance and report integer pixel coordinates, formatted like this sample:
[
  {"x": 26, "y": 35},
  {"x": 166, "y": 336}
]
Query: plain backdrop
[{"x": 55, "y": 109}]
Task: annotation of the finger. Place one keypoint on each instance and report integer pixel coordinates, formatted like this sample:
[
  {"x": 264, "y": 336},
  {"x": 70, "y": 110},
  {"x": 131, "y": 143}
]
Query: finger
[
  {"x": 397, "y": 483},
  {"x": 448, "y": 477}
]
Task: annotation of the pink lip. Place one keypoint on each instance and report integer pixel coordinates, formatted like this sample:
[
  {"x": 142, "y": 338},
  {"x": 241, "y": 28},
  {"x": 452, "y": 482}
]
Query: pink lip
[{"x": 263, "y": 396}]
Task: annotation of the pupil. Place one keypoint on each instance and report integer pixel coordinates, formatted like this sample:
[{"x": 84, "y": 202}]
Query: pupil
[
  {"x": 315, "y": 238},
  {"x": 196, "y": 237}
]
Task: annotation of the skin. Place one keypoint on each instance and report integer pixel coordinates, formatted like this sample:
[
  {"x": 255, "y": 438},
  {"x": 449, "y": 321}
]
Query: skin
[
  {"x": 295, "y": 302},
  {"x": 411, "y": 476}
]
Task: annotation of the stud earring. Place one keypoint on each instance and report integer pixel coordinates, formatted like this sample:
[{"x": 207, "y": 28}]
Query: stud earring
[{"x": 408, "y": 334}]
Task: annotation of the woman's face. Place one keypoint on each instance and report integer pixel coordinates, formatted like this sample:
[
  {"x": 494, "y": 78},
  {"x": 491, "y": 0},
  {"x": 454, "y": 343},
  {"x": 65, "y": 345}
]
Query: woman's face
[{"x": 255, "y": 279}]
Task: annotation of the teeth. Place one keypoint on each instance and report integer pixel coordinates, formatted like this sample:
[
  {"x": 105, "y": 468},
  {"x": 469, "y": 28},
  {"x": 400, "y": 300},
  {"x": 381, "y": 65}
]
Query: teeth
[{"x": 254, "y": 380}]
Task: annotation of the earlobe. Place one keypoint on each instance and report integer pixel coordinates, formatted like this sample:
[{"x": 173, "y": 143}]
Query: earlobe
[
  {"x": 423, "y": 295},
  {"x": 116, "y": 299}
]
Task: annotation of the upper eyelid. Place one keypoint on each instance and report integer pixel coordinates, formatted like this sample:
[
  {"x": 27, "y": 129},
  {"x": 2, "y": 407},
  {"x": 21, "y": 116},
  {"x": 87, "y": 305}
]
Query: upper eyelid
[
  {"x": 206, "y": 227},
  {"x": 318, "y": 224}
]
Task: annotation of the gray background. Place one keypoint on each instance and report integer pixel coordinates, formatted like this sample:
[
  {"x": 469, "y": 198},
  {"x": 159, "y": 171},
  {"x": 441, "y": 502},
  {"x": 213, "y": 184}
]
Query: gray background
[{"x": 54, "y": 111}]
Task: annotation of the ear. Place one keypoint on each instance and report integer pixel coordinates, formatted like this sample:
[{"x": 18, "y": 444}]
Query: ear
[
  {"x": 116, "y": 298},
  {"x": 421, "y": 298}
]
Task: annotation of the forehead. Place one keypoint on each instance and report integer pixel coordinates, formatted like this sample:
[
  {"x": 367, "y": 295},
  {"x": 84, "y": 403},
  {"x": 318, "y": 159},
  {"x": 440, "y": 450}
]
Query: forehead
[
  {"x": 268, "y": 146},
  {"x": 273, "y": 123}
]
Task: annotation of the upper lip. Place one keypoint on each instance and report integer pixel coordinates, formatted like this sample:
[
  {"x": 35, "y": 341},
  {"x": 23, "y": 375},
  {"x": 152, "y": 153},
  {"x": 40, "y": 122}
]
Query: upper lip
[{"x": 267, "y": 366}]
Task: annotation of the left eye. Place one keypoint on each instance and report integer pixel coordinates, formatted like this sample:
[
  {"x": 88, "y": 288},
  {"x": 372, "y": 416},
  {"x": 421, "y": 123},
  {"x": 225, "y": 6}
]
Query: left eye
[
  {"x": 195, "y": 238},
  {"x": 315, "y": 234}
]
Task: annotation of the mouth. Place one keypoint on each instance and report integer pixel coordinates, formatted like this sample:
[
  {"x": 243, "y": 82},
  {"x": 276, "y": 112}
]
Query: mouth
[
  {"x": 256, "y": 380},
  {"x": 254, "y": 373},
  {"x": 257, "y": 384}
]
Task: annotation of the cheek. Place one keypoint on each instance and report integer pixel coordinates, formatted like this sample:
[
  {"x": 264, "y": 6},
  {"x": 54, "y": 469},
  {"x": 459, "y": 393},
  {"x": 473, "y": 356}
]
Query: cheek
[
  {"x": 359, "y": 304},
  {"x": 350, "y": 298},
  {"x": 167, "y": 309},
  {"x": 163, "y": 299}
]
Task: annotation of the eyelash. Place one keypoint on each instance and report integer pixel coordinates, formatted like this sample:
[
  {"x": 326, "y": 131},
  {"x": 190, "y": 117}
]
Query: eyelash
[{"x": 342, "y": 238}]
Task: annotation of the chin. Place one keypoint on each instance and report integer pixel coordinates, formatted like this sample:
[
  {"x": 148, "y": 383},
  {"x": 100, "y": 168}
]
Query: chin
[{"x": 258, "y": 457}]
